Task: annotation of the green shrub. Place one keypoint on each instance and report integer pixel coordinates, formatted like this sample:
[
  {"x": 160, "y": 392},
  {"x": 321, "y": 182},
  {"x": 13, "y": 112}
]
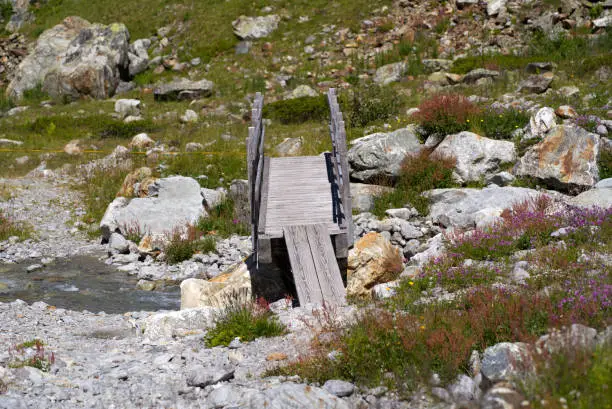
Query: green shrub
[
  {"x": 6, "y": 10},
  {"x": 605, "y": 164},
  {"x": 500, "y": 123},
  {"x": 182, "y": 248},
  {"x": 297, "y": 110},
  {"x": 245, "y": 321},
  {"x": 222, "y": 221},
  {"x": 35, "y": 95},
  {"x": 419, "y": 173},
  {"x": 369, "y": 104},
  {"x": 446, "y": 114},
  {"x": 39, "y": 359}
]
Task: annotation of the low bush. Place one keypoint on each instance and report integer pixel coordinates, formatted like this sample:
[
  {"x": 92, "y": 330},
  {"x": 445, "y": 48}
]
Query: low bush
[
  {"x": 369, "y": 104},
  {"x": 402, "y": 349},
  {"x": 446, "y": 114},
  {"x": 183, "y": 245},
  {"x": 500, "y": 123},
  {"x": 246, "y": 321},
  {"x": 297, "y": 110},
  {"x": 419, "y": 173}
]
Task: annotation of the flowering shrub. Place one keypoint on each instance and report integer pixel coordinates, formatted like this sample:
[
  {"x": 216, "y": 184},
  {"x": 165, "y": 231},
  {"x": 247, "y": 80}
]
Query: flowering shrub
[
  {"x": 446, "y": 114},
  {"x": 588, "y": 122},
  {"x": 9, "y": 227}
]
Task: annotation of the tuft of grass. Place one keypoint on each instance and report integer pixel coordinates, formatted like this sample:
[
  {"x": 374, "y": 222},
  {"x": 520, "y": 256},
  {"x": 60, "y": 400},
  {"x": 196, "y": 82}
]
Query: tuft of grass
[
  {"x": 605, "y": 164},
  {"x": 99, "y": 189},
  {"x": 97, "y": 126},
  {"x": 182, "y": 246},
  {"x": 446, "y": 114},
  {"x": 9, "y": 227},
  {"x": 246, "y": 321},
  {"x": 499, "y": 123},
  {"x": 39, "y": 359},
  {"x": 419, "y": 173},
  {"x": 34, "y": 96},
  {"x": 222, "y": 221},
  {"x": 6, "y": 10}
]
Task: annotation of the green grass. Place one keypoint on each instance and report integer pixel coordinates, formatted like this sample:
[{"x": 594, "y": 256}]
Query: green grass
[
  {"x": 182, "y": 248},
  {"x": 298, "y": 110},
  {"x": 10, "y": 227},
  {"x": 222, "y": 221},
  {"x": 245, "y": 321},
  {"x": 605, "y": 164},
  {"x": 577, "y": 376},
  {"x": 418, "y": 174},
  {"x": 496, "y": 124}
]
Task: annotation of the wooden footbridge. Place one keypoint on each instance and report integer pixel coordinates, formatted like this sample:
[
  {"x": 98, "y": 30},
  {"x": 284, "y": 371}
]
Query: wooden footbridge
[{"x": 302, "y": 205}]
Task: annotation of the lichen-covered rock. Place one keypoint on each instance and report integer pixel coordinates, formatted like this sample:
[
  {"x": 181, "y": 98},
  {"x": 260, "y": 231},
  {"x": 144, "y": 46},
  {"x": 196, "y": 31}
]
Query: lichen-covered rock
[
  {"x": 363, "y": 195},
  {"x": 565, "y": 159},
  {"x": 373, "y": 260},
  {"x": 475, "y": 155},
  {"x": 390, "y": 73},
  {"x": 183, "y": 89},
  {"x": 506, "y": 361},
  {"x": 252, "y": 28}
]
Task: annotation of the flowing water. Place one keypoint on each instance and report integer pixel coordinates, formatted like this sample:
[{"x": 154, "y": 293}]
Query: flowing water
[{"x": 83, "y": 283}]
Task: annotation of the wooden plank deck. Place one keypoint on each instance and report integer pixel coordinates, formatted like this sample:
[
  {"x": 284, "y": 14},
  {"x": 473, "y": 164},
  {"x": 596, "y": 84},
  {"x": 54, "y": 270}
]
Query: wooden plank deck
[
  {"x": 298, "y": 192},
  {"x": 315, "y": 270}
]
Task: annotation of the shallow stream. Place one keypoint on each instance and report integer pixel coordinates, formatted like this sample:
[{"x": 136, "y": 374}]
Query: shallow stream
[{"x": 82, "y": 283}]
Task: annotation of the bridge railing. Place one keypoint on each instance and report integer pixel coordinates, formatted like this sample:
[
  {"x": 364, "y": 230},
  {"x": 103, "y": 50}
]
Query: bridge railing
[
  {"x": 255, "y": 162},
  {"x": 340, "y": 165}
]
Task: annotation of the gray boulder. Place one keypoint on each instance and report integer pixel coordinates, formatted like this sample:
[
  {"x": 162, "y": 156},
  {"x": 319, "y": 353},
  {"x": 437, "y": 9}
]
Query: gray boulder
[
  {"x": 165, "y": 325},
  {"x": 565, "y": 159},
  {"x": 537, "y": 84},
  {"x": 289, "y": 147},
  {"x": 390, "y": 73},
  {"x": 479, "y": 73},
  {"x": 506, "y": 361},
  {"x": 543, "y": 121},
  {"x": 51, "y": 44},
  {"x": 138, "y": 56},
  {"x": 92, "y": 65},
  {"x": 600, "y": 195},
  {"x": 476, "y": 156},
  {"x": 117, "y": 244},
  {"x": 464, "y": 208},
  {"x": 363, "y": 196},
  {"x": 494, "y": 7},
  {"x": 183, "y": 89},
  {"x": 339, "y": 388},
  {"x": 380, "y": 155},
  {"x": 201, "y": 377},
  {"x": 252, "y": 28},
  {"x": 177, "y": 202}
]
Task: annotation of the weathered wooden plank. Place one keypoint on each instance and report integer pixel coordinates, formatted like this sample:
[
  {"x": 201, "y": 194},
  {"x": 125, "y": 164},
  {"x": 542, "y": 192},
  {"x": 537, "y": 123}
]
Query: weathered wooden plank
[
  {"x": 263, "y": 207},
  {"x": 302, "y": 264},
  {"x": 264, "y": 249},
  {"x": 326, "y": 265}
]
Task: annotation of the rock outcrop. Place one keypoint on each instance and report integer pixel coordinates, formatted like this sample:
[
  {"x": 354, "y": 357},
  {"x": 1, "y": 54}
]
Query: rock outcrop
[
  {"x": 75, "y": 59},
  {"x": 220, "y": 291}
]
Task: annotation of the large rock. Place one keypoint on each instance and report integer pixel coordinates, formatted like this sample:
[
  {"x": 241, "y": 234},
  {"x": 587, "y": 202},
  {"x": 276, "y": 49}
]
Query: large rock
[
  {"x": 363, "y": 196},
  {"x": 476, "y": 155},
  {"x": 373, "y": 260},
  {"x": 600, "y": 195},
  {"x": 252, "y": 28},
  {"x": 49, "y": 48},
  {"x": 177, "y": 203},
  {"x": 390, "y": 73},
  {"x": 286, "y": 395},
  {"x": 537, "y": 83},
  {"x": 506, "y": 361},
  {"x": 75, "y": 59},
  {"x": 233, "y": 285},
  {"x": 380, "y": 155},
  {"x": 465, "y": 208},
  {"x": 169, "y": 324},
  {"x": 565, "y": 159},
  {"x": 139, "y": 56},
  {"x": 183, "y": 89}
]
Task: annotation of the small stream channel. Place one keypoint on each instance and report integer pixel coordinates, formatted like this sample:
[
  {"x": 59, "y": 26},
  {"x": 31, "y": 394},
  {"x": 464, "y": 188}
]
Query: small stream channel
[{"x": 83, "y": 283}]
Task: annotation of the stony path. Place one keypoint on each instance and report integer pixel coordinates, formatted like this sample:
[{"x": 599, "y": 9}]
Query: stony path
[{"x": 51, "y": 208}]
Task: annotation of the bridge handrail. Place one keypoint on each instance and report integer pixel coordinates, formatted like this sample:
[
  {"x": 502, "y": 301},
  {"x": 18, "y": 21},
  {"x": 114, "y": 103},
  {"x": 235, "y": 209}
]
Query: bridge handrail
[
  {"x": 255, "y": 160},
  {"x": 340, "y": 161}
]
